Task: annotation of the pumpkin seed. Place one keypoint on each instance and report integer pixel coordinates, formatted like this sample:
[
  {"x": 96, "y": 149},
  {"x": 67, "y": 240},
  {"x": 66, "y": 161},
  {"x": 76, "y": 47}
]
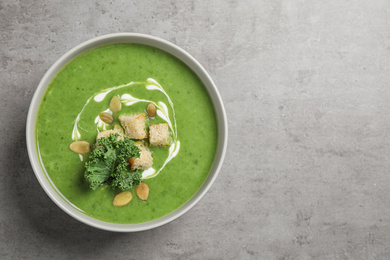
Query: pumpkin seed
[
  {"x": 106, "y": 118},
  {"x": 118, "y": 128},
  {"x": 122, "y": 198},
  {"x": 80, "y": 147},
  {"x": 151, "y": 110},
  {"x": 115, "y": 104},
  {"x": 142, "y": 191}
]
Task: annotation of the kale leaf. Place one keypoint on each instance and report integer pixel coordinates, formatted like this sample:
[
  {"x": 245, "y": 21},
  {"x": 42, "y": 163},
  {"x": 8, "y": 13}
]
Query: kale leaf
[{"x": 108, "y": 164}]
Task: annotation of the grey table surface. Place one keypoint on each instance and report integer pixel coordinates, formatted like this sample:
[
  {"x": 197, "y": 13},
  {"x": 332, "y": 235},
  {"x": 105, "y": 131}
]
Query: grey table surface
[{"x": 306, "y": 86}]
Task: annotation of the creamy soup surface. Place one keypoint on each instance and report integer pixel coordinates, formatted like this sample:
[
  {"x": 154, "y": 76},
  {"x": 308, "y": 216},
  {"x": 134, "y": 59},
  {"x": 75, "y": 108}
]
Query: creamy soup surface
[{"x": 138, "y": 75}]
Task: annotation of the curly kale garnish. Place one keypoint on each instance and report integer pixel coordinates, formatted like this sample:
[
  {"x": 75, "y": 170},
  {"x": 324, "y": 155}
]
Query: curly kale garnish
[{"x": 108, "y": 164}]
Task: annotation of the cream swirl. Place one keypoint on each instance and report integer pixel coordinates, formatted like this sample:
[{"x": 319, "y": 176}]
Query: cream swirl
[{"x": 163, "y": 111}]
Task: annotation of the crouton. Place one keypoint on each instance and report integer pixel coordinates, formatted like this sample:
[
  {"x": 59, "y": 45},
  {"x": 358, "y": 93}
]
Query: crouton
[
  {"x": 134, "y": 126},
  {"x": 159, "y": 135},
  {"x": 107, "y": 133},
  {"x": 145, "y": 160}
]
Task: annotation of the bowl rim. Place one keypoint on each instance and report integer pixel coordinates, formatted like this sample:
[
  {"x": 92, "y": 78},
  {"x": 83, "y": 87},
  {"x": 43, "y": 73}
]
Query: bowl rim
[{"x": 136, "y": 38}]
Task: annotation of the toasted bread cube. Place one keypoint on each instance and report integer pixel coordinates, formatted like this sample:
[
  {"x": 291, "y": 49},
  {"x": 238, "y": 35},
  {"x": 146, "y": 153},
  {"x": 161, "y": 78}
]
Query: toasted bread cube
[
  {"x": 134, "y": 126},
  {"x": 145, "y": 161},
  {"x": 107, "y": 133},
  {"x": 159, "y": 135}
]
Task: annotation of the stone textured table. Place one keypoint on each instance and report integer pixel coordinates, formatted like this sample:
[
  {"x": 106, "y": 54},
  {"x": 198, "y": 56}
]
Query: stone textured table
[{"x": 306, "y": 86}]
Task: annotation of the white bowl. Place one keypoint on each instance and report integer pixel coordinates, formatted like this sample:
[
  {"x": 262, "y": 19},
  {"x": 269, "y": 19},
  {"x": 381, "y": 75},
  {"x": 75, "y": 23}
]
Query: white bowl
[{"x": 44, "y": 179}]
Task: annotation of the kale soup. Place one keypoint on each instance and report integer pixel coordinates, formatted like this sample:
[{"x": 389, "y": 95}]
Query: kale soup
[{"x": 126, "y": 132}]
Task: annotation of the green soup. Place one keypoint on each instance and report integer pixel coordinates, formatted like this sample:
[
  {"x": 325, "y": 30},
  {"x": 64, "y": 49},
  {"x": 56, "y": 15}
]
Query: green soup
[{"x": 71, "y": 104}]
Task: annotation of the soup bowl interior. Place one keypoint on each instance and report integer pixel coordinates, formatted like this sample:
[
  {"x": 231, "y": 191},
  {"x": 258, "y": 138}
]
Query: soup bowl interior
[{"x": 166, "y": 46}]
